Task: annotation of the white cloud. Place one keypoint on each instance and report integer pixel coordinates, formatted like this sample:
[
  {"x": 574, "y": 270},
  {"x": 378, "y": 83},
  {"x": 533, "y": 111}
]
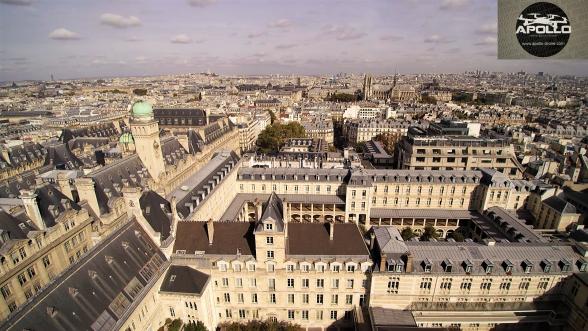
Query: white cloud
[
  {"x": 343, "y": 32},
  {"x": 489, "y": 28},
  {"x": 487, "y": 41},
  {"x": 201, "y": 3},
  {"x": 63, "y": 34},
  {"x": 17, "y": 2},
  {"x": 181, "y": 39},
  {"x": 281, "y": 24},
  {"x": 119, "y": 21},
  {"x": 453, "y": 4},
  {"x": 436, "y": 39}
]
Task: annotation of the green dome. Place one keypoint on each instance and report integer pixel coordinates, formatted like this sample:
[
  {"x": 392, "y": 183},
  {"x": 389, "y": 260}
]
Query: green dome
[
  {"x": 142, "y": 109},
  {"x": 126, "y": 138}
]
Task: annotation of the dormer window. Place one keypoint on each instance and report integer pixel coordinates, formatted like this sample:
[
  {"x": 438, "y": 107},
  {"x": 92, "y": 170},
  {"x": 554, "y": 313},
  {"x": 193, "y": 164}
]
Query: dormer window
[
  {"x": 507, "y": 266},
  {"x": 468, "y": 266},
  {"x": 391, "y": 265},
  {"x": 427, "y": 265},
  {"x": 269, "y": 227},
  {"x": 447, "y": 265},
  {"x": 399, "y": 266},
  {"x": 582, "y": 265},
  {"x": 527, "y": 266},
  {"x": 565, "y": 265},
  {"x": 488, "y": 266},
  {"x": 546, "y": 264}
]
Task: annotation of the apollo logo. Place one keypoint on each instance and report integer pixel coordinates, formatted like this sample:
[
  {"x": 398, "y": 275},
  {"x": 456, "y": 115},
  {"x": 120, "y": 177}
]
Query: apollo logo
[{"x": 543, "y": 29}]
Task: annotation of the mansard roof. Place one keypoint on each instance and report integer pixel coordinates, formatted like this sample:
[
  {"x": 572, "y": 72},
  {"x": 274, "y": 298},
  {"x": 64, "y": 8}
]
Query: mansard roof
[
  {"x": 157, "y": 212},
  {"x": 172, "y": 150},
  {"x": 59, "y": 155},
  {"x": 98, "y": 130},
  {"x": 313, "y": 239},
  {"x": 560, "y": 205},
  {"x": 99, "y": 290},
  {"x": 110, "y": 179},
  {"x": 185, "y": 280},
  {"x": 228, "y": 239},
  {"x": 52, "y": 203},
  {"x": 11, "y": 187},
  {"x": 22, "y": 155}
]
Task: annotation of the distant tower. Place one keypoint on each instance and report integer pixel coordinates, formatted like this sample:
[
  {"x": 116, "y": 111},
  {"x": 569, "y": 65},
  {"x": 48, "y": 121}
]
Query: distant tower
[
  {"x": 146, "y": 137},
  {"x": 298, "y": 82},
  {"x": 367, "y": 87},
  {"x": 52, "y": 79},
  {"x": 395, "y": 80}
]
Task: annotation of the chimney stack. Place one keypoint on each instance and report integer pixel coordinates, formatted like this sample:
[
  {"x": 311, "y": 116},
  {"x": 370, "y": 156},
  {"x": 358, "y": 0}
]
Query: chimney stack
[
  {"x": 383, "y": 259},
  {"x": 331, "y": 230},
  {"x": 258, "y": 209},
  {"x": 29, "y": 200},
  {"x": 210, "y": 230},
  {"x": 175, "y": 218},
  {"x": 285, "y": 217},
  {"x": 372, "y": 240},
  {"x": 409, "y": 262}
]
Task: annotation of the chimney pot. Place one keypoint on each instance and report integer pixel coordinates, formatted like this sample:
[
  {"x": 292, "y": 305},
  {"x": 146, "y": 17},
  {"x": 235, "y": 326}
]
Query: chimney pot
[
  {"x": 331, "y": 230},
  {"x": 210, "y": 229}
]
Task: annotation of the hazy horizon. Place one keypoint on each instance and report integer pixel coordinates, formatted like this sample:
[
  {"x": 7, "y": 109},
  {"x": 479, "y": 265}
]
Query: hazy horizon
[{"x": 125, "y": 38}]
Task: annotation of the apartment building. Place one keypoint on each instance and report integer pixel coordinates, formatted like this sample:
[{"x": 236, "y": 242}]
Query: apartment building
[
  {"x": 458, "y": 152},
  {"x": 320, "y": 128},
  {"x": 357, "y": 131},
  {"x": 38, "y": 242}
]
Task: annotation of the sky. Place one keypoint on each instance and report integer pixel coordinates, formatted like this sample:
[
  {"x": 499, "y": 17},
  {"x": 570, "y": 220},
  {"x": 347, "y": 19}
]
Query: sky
[{"x": 106, "y": 38}]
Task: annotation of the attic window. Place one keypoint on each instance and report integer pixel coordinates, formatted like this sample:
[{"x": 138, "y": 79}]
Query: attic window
[
  {"x": 468, "y": 266},
  {"x": 427, "y": 265},
  {"x": 565, "y": 265},
  {"x": 528, "y": 266},
  {"x": 488, "y": 266},
  {"x": 447, "y": 265},
  {"x": 269, "y": 226},
  {"x": 172, "y": 278},
  {"x": 546, "y": 266},
  {"x": 507, "y": 266},
  {"x": 582, "y": 265},
  {"x": 148, "y": 210}
]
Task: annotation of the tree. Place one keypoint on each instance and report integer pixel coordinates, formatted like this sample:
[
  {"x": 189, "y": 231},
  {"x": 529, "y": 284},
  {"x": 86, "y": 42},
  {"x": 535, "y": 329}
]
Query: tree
[
  {"x": 191, "y": 326},
  {"x": 343, "y": 97},
  {"x": 407, "y": 234},
  {"x": 389, "y": 141},
  {"x": 458, "y": 236},
  {"x": 256, "y": 325},
  {"x": 140, "y": 91},
  {"x": 428, "y": 99},
  {"x": 430, "y": 232},
  {"x": 274, "y": 136}
]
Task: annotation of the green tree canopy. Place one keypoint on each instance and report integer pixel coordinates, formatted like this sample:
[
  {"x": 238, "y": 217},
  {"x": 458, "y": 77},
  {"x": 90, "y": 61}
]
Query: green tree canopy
[
  {"x": 272, "y": 116},
  {"x": 256, "y": 325},
  {"x": 343, "y": 97},
  {"x": 458, "y": 236},
  {"x": 191, "y": 326},
  {"x": 430, "y": 232},
  {"x": 407, "y": 234},
  {"x": 140, "y": 91},
  {"x": 274, "y": 136}
]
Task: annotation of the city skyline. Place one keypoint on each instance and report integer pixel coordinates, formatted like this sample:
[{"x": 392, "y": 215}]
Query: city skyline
[{"x": 122, "y": 38}]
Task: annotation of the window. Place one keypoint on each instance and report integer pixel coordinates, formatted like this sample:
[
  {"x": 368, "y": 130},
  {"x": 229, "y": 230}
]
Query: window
[
  {"x": 290, "y": 282},
  {"x": 269, "y": 240},
  {"x": 350, "y": 283},
  {"x": 393, "y": 285},
  {"x": 290, "y": 298},
  {"x": 22, "y": 252},
  {"x": 251, "y": 267},
  {"x": 350, "y": 268},
  {"x": 227, "y": 297},
  {"x": 269, "y": 226},
  {"x": 22, "y": 279},
  {"x": 524, "y": 285},
  {"x": 319, "y": 299},
  {"x": 229, "y": 313},
  {"x": 239, "y": 282},
  {"x": 305, "y": 298},
  {"x": 319, "y": 315},
  {"x": 271, "y": 267},
  {"x": 290, "y": 267},
  {"x": 543, "y": 283},
  {"x": 305, "y": 268},
  {"x": 253, "y": 282},
  {"x": 222, "y": 267},
  {"x": 237, "y": 267},
  {"x": 254, "y": 297},
  {"x": 272, "y": 284},
  {"x": 240, "y": 298},
  {"x": 486, "y": 285},
  {"x": 336, "y": 268},
  {"x": 466, "y": 284},
  {"x": 241, "y": 313},
  {"x": 320, "y": 283},
  {"x": 305, "y": 283},
  {"x": 290, "y": 314},
  {"x": 334, "y": 299},
  {"x": 505, "y": 284},
  {"x": 31, "y": 272},
  {"x": 333, "y": 314},
  {"x": 5, "y": 290},
  {"x": 349, "y": 299},
  {"x": 272, "y": 298},
  {"x": 335, "y": 283},
  {"x": 270, "y": 254},
  {"x": 225, "y": 282},
  {"x": 426, "y": 284},
  {"x": 172, "y": 312},
  {"x": 305, "y": 314},
  {"x": 46, "y": 261},
  {"x": 445, "y": 284}
]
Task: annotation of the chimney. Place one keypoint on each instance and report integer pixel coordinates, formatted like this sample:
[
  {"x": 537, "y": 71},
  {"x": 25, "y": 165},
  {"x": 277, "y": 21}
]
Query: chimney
[
  {"x": 64, "y": 186},
  {"x": 29, "y": 199},
  {"x": 409, "y": 262},
  {"x": 372, "y": 240},
  {"x": 285, "y": 217},
  {"x": 383, "y": 259},
  {"x": 210, "y": 230},
  {"x": 258, "y": 209},
  {"x": 331, "y": 230},
  {"x": 175, "y": 217}
]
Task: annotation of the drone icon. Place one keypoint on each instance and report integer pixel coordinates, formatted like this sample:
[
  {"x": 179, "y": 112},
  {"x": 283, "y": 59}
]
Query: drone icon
[{"x": 551, "y": 19}]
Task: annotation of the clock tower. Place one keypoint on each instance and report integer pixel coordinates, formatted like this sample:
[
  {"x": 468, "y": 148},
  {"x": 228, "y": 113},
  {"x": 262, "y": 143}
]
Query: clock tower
[{"x": 146, "y": 135}]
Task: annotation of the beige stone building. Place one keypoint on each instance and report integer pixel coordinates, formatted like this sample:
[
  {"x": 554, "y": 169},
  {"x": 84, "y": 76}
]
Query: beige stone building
[{"x": 357, "y": 131}]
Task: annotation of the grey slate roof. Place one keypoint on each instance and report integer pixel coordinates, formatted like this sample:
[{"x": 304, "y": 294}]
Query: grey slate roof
[
  {"x": 228, "y": 237},
  {"x": 273, "y": 210},
  {"x": 313, "y": 239},
  {"x": 184, "y": 279},
  {"x": 52, "y": 202},
  {"x": 561, "y": 206},
  {"x": 157, "y": 211},
  {"x": 122, "y": 266}
]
